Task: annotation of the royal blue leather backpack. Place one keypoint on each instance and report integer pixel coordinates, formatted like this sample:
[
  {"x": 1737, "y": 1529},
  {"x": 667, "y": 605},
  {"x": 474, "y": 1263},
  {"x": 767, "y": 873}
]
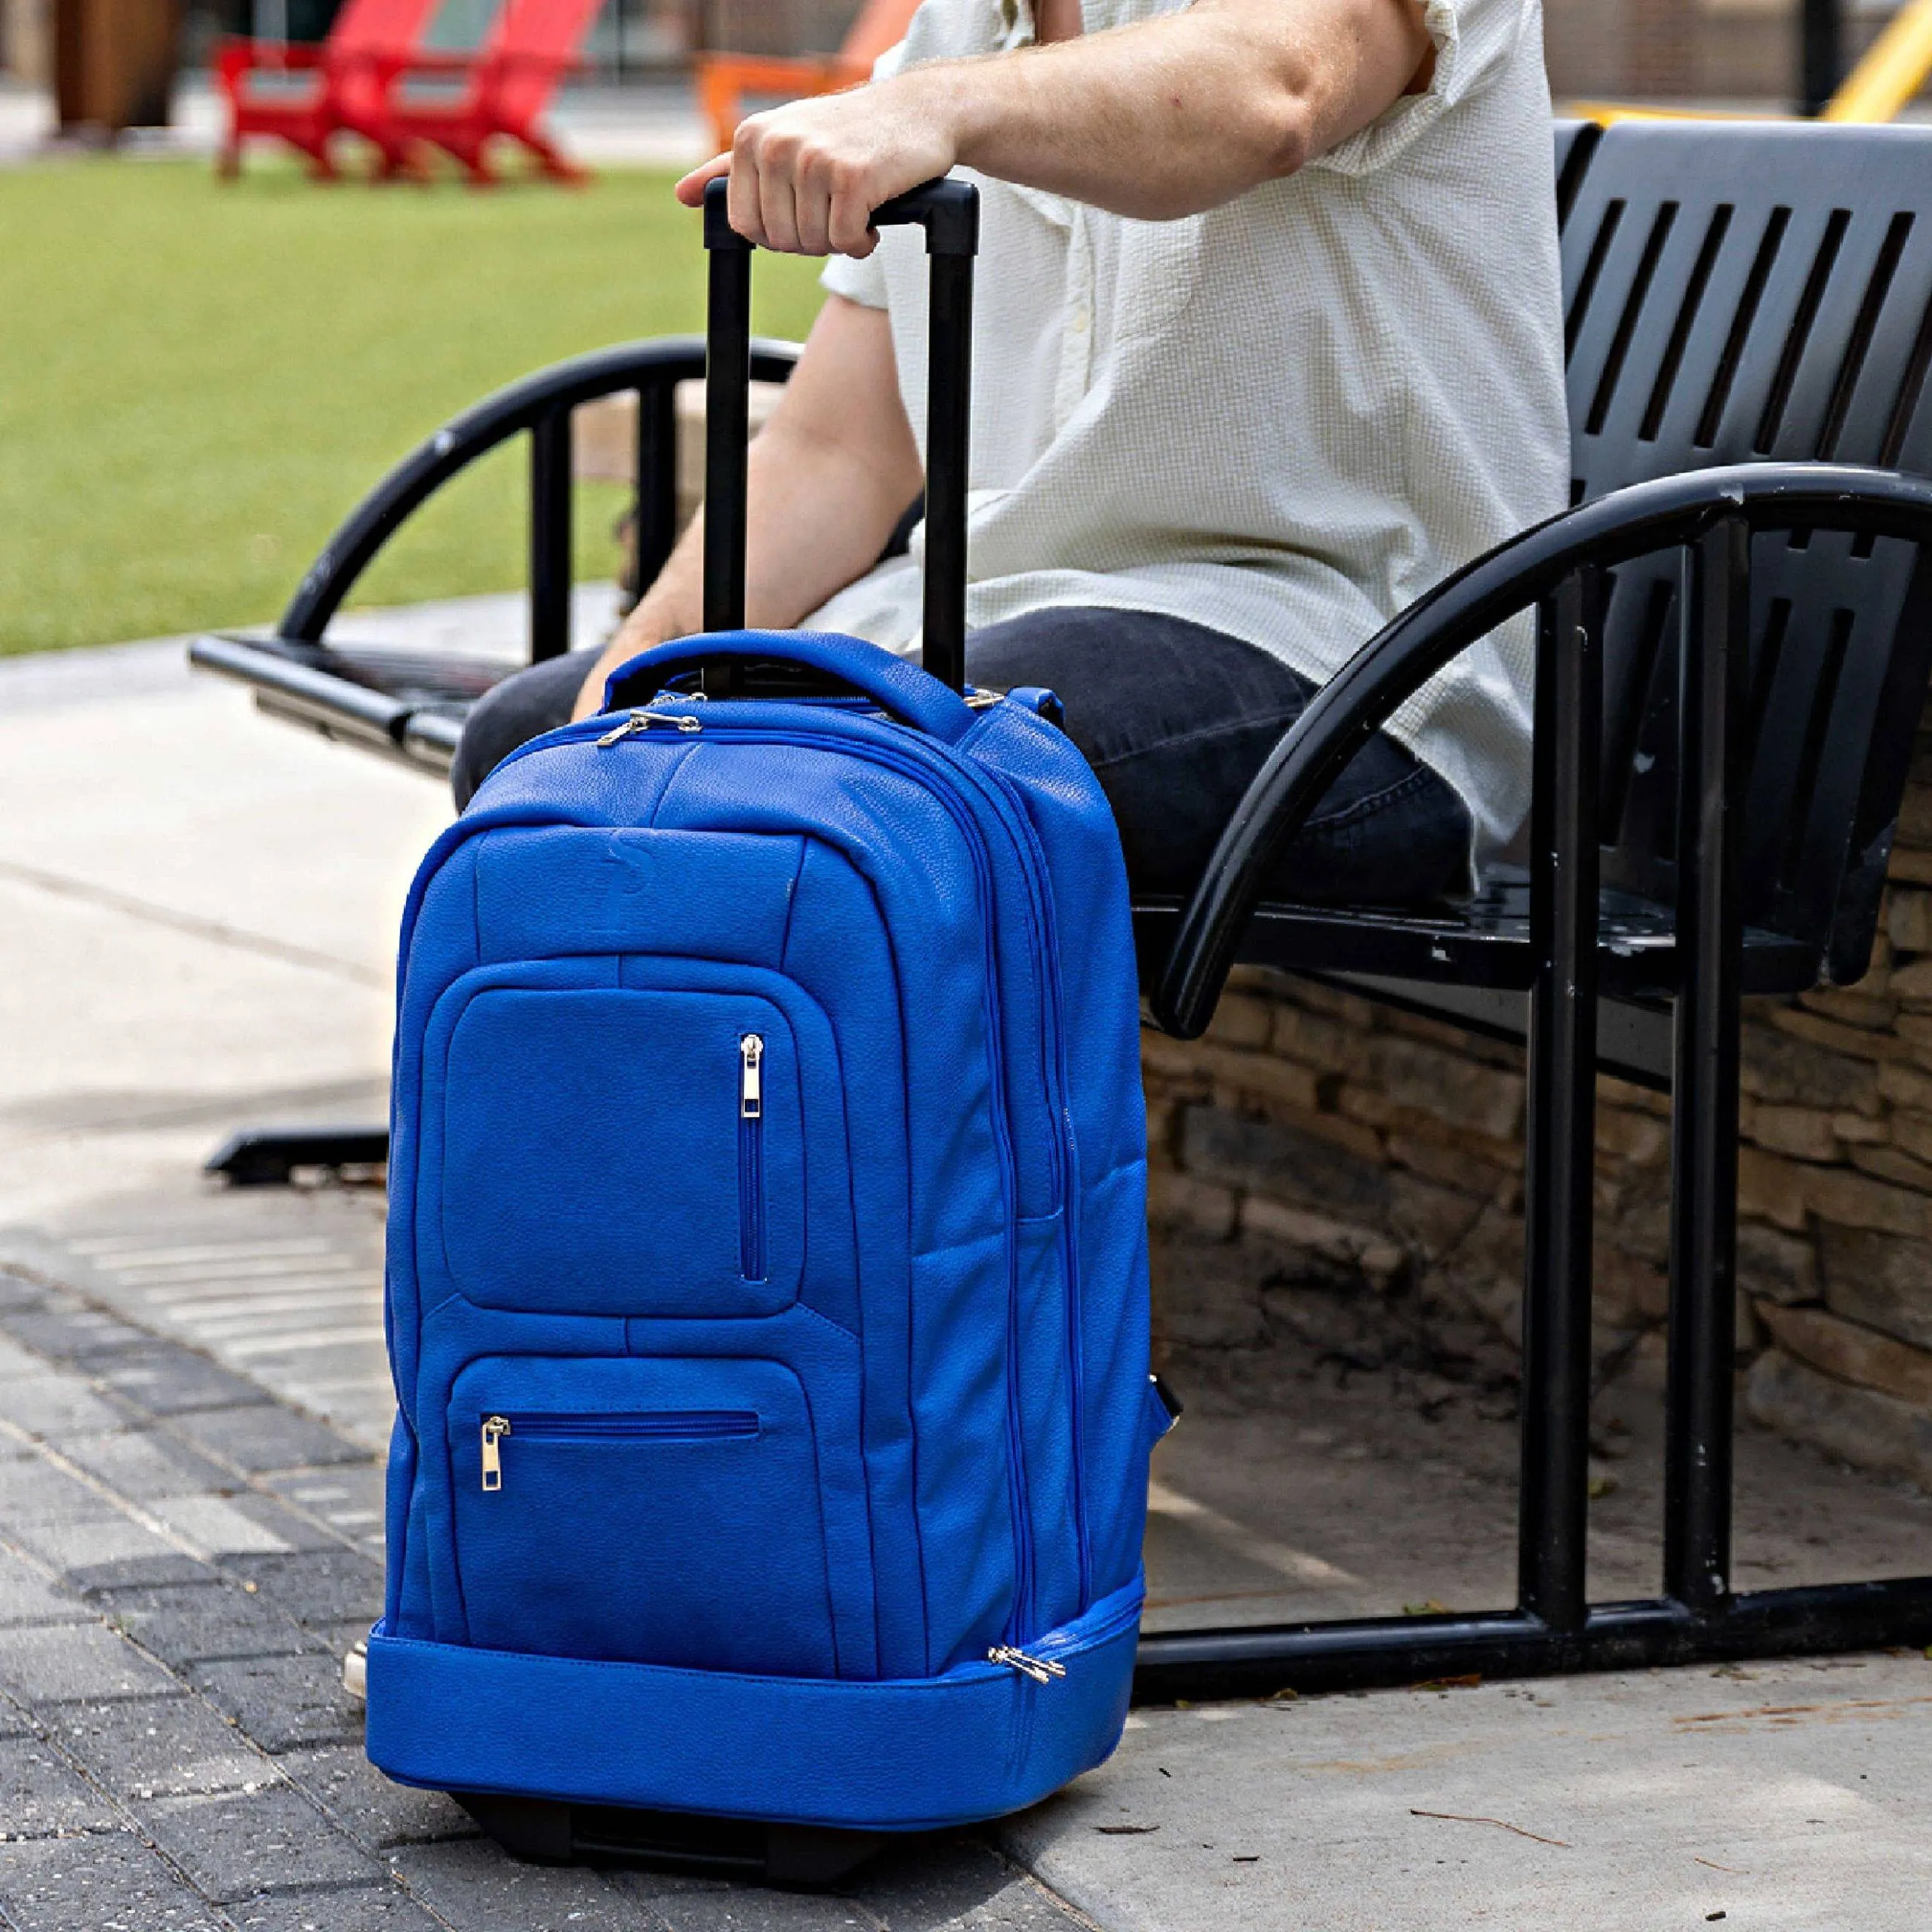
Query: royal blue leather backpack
[{"x": 766, "y": 1278}]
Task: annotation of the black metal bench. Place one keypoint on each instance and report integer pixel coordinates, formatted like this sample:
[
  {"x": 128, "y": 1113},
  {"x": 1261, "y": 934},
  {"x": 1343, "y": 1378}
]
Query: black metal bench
[{"x": 1734, "y": 639}]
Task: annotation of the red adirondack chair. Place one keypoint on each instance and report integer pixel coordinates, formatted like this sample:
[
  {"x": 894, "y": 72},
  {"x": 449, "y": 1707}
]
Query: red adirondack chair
[
  {"x": 337, "y": 86},
  {"x": 505, "y": 89}
]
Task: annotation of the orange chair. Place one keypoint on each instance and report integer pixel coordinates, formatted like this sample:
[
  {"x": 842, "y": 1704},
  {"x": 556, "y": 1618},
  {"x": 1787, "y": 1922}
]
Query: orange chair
[{"x": 724, "y": 79}]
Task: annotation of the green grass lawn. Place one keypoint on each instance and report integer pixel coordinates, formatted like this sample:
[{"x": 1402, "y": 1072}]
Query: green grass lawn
[{"x": 199, "y": 380}]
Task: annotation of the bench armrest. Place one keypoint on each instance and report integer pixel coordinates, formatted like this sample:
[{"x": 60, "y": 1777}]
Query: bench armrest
[
  {"x": 1355, "y": 704},
  {"x": 655, "y": 366}
]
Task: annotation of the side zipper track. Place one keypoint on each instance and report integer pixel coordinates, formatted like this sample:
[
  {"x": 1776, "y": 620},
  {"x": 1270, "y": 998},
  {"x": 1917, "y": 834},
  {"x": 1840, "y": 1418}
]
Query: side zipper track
[{"x": 1059, "y": 1092}]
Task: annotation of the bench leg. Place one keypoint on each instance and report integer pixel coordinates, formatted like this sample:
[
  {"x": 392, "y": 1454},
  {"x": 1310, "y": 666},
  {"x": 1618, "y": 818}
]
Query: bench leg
[
  {"x": 1715, "y": 599},
  {"x": 1553, "y": 1520}
]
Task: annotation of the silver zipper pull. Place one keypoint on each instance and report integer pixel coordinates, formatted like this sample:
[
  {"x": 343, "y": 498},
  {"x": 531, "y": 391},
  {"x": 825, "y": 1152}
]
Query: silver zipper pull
[
  {"x": 634, "y": 722},
  {"x": 495, "y": 1427},
  {"x": 1041, "y": 1670},
  {"x": 642, "y": 721},
  {"x": 751, "y": 1079}
]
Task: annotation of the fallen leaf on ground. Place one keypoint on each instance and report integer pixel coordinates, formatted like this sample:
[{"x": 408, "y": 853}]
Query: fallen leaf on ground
[
  {"x": 1429, "y": 1607},
  {"x": 1473, "y": 1681},
  {"x": 1125, "y": 1831}
]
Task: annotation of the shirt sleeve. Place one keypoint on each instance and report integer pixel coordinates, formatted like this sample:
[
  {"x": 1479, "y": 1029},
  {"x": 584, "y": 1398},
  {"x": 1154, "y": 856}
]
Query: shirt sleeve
[
  {"x": 861, "y": 282},
  {"x": 1473, "y": 40}
]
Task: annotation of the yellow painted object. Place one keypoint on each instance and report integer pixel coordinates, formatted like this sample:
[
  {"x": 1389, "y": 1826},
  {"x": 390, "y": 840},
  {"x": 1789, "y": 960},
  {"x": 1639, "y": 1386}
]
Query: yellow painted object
[
  {"x": 1895, "y": 66},
  {"x": 1894, "y": 69},
  {"x": 1607, "y": 113}
]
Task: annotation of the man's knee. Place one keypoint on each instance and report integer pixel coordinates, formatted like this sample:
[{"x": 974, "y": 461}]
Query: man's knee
[
  {"x": 1043, "y": 647},
  {"x": 525, "y": 704}
]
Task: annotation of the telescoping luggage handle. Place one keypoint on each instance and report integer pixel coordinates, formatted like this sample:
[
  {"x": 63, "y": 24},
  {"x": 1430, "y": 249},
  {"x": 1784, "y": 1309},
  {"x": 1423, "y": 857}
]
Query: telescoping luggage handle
[{"x": 949, "y": 213}]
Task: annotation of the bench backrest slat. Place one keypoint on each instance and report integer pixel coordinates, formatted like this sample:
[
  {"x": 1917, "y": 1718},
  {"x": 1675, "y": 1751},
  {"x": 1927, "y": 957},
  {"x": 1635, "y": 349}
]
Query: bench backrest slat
[{"x": 1736, "y": 293}]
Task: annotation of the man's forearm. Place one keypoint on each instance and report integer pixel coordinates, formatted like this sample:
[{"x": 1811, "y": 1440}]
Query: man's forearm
[
  {"x": 835, "y": 468},
  {"x": 816, "y": 523}
]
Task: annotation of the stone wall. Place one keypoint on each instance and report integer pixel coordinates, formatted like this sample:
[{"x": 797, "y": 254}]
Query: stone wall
[{"x": 1314, "y": 1138}]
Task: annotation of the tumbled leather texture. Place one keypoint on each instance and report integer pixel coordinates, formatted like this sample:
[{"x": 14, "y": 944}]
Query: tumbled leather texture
[{"x": 745, "y": 1411}]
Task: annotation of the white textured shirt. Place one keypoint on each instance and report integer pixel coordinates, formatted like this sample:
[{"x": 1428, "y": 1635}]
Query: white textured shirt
[{"x": 1284, "y": 419}]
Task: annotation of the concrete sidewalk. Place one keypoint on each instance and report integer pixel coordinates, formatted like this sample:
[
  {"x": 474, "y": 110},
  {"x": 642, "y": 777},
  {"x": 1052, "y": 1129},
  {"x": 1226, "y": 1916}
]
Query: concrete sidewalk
[{"x": 196, "y": 914}]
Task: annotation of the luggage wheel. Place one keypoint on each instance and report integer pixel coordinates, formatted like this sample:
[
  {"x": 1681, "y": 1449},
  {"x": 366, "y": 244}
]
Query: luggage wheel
[{"x": 543, "y": 1831}]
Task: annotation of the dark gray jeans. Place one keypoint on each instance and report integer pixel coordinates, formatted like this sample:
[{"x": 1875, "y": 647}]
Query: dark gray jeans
[{"x": 1175, "y": 719}]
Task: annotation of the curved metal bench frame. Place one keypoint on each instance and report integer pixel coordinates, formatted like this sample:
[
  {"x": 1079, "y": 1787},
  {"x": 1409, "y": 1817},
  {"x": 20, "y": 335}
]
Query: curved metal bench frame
[
  {"x": 408, "y": 705},
  {"x": 1561, "y": 953}
]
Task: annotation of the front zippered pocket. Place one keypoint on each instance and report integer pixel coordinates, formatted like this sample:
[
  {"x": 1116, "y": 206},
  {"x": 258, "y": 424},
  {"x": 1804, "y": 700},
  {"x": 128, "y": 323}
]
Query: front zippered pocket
[
  {"x": 645, "y": 1510},
  {"x": 751, "y": 1158},
  {"x": 574, "y": 1114},
  {"x": 663, "y": 1425}
]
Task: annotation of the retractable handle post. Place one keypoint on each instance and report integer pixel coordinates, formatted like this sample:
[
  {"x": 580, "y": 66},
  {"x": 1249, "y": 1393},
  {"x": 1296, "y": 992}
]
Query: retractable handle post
[{"x": 949, "y": 213}]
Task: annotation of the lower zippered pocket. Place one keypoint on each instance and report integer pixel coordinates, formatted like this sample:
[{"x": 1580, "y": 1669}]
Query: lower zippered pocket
[{"x": 646, "y": 1511}]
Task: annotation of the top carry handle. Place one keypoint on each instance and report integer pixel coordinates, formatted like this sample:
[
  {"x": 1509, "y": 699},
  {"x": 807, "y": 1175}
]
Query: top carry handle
[{"x": 948, "y": 211}]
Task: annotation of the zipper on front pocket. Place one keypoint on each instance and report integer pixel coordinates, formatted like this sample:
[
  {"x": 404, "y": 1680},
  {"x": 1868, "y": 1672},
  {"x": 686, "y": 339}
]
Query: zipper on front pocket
[
  {"x": 663, "y": 1425},
  {"x": 751, "y": 1157},
  {"x": 495, "y": 1427}
]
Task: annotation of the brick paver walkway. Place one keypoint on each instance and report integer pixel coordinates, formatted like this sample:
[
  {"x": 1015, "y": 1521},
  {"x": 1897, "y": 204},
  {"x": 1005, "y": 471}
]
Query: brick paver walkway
[{"x": 182, "y": 1562}]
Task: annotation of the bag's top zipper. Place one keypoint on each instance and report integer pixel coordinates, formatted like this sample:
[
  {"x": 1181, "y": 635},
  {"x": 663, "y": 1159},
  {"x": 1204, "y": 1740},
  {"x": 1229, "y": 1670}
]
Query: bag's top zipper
[{"x": 641, "y": 720}]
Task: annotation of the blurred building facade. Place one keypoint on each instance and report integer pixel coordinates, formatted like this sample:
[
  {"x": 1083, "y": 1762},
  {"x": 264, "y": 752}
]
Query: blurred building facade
[
  {"x": 26, "y": 40},
  {"x": 1715, "y": 49},
  {"x": 1683, "y": 50}
]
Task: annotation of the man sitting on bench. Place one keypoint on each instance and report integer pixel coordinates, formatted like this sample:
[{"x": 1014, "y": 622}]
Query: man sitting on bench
[{"x": 1270, "y": 340}]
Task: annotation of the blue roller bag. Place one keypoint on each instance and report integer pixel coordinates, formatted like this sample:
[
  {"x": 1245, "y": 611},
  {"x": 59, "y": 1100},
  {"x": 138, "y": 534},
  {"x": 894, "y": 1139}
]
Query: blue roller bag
[{"x": 766, "y": 1281}]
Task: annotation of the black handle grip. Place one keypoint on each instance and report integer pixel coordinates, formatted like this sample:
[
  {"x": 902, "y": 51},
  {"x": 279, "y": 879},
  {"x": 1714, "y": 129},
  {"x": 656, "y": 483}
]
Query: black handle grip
[{"x": 948, "y": 211}]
